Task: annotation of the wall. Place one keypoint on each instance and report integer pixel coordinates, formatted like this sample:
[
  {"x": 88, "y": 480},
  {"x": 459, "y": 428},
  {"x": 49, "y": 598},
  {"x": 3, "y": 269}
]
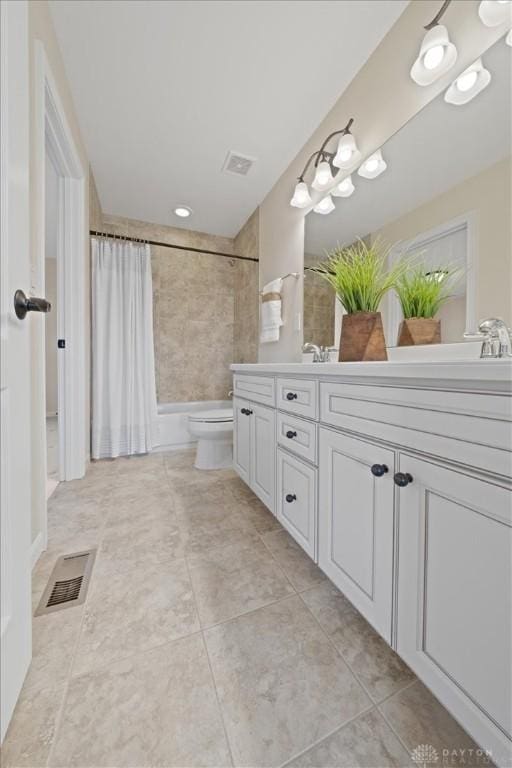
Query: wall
[
  {"x": 41, "y": 28},
  {"x": 95, "y": 211},
  {"x": 381, "y": 98},
  {"x": 488, "y": 195},
  {"x": 319, "y": 302},
  {"x": 194, "y": 308},
  {"x": 246, "y": 320},
  {"x": 50, "y": 282}
]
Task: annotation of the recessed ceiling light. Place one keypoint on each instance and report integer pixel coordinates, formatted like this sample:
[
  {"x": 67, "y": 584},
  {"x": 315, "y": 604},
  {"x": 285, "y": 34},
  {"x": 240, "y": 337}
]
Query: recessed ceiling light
[{"x": 183, "y": 211}]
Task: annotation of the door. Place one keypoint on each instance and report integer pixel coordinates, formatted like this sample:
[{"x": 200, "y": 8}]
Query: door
[
  {"x": 15, "y": 473},
  {"x": 263, "y": 453},
  {"x": 356, "y": 507},
  {"x": 454, "y": 595},
  {"x": 296, "y": 500},
  {"x": 242, "y": 439}
]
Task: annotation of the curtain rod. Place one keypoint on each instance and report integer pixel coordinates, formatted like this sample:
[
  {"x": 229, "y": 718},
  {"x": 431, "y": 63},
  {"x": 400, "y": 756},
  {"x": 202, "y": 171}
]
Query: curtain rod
[{"x": 94, "y": 233}]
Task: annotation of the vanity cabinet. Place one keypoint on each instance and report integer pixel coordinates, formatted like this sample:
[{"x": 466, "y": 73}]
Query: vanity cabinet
[
  {"x": 254, "y": 448},
  {"x": 356, "y": 508},
  {"x": 454, "y": 622},
  {"x": 296, "y": 500}
]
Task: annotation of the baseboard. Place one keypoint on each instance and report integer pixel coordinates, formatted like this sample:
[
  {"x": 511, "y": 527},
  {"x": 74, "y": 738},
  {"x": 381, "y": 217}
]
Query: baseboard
[{"x": 37, "y": 548}]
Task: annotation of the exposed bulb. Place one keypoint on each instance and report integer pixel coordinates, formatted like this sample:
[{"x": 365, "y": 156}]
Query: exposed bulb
[
  {"x": 325, "y": 206},
  {"x": 433, "y": 57},
  {"x": 301, "y": 197},
  {"x": 323, "y": 176}
]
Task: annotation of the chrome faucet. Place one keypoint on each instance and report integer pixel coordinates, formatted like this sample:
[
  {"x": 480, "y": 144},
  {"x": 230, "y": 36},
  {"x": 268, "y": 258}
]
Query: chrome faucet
[
  {"x": 496, "y": 338},
  {"x": 320, "y": 354}
]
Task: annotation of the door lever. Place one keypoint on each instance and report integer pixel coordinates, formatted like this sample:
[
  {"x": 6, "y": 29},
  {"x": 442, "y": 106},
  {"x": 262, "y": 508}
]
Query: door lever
[{"x": 24, "y": 304}]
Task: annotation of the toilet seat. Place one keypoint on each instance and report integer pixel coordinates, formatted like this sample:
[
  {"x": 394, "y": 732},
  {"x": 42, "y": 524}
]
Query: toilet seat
[{"x": 215, "y": 416}]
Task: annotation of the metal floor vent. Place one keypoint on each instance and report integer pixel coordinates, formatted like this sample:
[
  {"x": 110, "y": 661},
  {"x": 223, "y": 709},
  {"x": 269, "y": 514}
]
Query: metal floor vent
[{"x": 68, "y": 583}]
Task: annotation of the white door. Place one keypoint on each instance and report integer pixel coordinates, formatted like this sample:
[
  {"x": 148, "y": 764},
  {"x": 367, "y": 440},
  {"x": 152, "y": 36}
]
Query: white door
[
  {"x": 263, "y": 453},
  {"x": 296, "y": 500},
  {"x": 356, "y": 507},
  {"x": 455, "y": 595},
  {"x": 15, "y": 358},
  {"x": 242, "y": 439}
]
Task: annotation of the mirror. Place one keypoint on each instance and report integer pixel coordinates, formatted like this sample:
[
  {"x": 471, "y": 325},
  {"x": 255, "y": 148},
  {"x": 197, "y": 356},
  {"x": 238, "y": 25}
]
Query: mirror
[{"x": 445, "y": 193}]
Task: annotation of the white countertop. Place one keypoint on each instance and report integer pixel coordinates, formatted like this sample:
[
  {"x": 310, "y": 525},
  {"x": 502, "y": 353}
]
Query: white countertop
[{"x": 495, "y": 375}]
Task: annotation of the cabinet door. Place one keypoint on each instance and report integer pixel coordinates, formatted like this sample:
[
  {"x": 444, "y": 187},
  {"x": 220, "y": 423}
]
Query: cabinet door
[
  {"x": 263, "y": 453},
  {"x": 242, "y": 439},
  {"x": 296, "y": 500},
  {"x": 356, "y": 519},
  {"x": 454, "y": 595}
]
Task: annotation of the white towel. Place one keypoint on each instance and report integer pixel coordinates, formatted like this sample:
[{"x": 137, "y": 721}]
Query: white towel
[{"x": 270, "y": 317}]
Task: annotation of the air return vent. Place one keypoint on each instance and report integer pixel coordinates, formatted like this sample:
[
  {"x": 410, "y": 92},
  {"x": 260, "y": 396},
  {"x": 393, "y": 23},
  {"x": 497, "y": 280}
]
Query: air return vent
[
  {"x": 68, "y": 582},
  {"x": 237, "y": 163}
]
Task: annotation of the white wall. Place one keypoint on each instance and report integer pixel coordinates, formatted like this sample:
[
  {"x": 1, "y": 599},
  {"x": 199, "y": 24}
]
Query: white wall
[
  {"x": 50, "y": 280},
  {"x": 381, "y": 98}
]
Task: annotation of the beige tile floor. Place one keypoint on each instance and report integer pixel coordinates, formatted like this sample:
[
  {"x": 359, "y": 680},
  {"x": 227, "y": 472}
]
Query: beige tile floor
[{"x": 208, "y": 638}]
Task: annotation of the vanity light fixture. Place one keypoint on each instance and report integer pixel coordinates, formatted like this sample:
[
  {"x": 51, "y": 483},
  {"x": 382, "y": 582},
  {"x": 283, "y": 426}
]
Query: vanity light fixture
[
  {"x": 325, "y": 205},
  {"x": 494, "y": 12},
  {"x": 183, "y": 211},
  {"x": 468, "y": 84},
  {"x": 344, "y": 189},
  {"x": 437, "y": 54},
  {"x": 327, "y": 165},
  {"x": 301, "y": 197},
  {"x": 373, "y": 166}
]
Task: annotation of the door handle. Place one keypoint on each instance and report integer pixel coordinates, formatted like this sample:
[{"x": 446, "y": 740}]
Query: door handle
[{"x": 24, "y": 304}]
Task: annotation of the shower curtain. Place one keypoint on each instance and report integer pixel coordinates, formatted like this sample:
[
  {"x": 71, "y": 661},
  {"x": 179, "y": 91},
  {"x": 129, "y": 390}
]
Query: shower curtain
[{"x": 123, "y": 366}]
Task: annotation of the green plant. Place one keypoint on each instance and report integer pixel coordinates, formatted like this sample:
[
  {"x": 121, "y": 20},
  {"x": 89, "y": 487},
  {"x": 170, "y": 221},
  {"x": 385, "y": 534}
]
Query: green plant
[
  {"x": 359, "y": 275},
  {"x": 422, "y": 290}
]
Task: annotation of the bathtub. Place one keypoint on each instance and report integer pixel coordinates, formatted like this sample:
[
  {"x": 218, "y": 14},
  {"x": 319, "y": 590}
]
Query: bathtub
[{"x": 172, "y": 422}]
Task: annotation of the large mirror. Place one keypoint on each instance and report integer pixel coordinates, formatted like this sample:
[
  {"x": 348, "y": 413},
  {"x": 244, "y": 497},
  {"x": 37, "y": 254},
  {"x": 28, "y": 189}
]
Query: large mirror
[{"x": 445, "y": 193}]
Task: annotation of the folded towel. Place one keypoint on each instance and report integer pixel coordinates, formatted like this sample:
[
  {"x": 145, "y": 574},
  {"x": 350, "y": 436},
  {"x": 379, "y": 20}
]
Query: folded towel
[{"x": 270, "y": 317}]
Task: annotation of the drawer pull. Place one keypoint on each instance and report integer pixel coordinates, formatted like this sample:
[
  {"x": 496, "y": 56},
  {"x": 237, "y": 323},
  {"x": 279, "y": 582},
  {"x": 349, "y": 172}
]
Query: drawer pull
[
  {"x": 290, "y": 497},
  {"x": 291, "y": 434},
  {"x": 402, "y": 479},
  {"x": 379, "y": 469},
  {"x": 291, "y": 395},
  {"x": 246, "y": 411}
]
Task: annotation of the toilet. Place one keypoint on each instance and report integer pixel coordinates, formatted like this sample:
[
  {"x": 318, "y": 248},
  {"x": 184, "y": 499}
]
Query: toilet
[{"x": 214, "y": 433}]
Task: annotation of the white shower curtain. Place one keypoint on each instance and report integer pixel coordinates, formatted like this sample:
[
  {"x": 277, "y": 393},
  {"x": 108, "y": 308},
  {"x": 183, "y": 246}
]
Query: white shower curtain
[{"x": 123, "y": 366}]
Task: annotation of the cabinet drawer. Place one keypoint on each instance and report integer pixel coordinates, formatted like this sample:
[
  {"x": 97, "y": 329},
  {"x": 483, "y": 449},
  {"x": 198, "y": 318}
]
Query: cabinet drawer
[
  {"x": 296, "y": 500},
  {"x": 259, "y": 389},
  {"x": 298, "y": 396},
  {"x": 297, "y": 435}
]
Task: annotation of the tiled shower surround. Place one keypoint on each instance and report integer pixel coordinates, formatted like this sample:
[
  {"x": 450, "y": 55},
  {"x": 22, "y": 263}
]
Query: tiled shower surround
[{"x": 205, "y": 307}]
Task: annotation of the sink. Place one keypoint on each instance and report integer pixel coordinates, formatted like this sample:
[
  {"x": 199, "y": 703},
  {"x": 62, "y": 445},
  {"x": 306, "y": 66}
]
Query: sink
[{"x": 424, "y": 353}]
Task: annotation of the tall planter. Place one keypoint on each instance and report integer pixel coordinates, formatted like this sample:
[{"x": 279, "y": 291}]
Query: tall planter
[
  {"x": 362, "y": 338},
  {"x": 419, "y": 330}
]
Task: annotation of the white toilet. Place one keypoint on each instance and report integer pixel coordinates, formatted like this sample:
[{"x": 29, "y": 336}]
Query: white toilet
[{"x": 214, "y": 432}]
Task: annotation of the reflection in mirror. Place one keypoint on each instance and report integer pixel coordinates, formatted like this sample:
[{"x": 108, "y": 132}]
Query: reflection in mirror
[{"x": 446, "y": 192}]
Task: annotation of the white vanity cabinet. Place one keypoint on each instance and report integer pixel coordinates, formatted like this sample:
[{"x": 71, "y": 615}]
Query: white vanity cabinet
[
  {"x": 454, "y": 618},
  {"x": 396, "y": 479},
  {"x": 356, "y": 509},
  {"x": 254, "y": 448}
]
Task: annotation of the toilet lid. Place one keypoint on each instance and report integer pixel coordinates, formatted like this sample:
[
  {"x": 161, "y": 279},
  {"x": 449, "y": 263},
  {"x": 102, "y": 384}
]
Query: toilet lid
[{"x": 215, "y": 415}]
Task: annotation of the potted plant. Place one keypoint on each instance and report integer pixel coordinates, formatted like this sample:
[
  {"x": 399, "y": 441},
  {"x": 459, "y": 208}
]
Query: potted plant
[
  {"x": 422, "y": 291},
  {"x": 360, "y": 278}
]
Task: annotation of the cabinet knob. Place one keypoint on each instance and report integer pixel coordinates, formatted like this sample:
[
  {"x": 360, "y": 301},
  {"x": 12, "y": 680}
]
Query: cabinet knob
[
  {"x": 249, "y": 413},
  {"x": 244, "y": 411},
  {"x": 402, "y": 479},
  {"x": 290, "y": 497},
  {"x": 378, "y": 470},
  {"x": 291, "y": 434},
  {"x": 291, "y": 395}
]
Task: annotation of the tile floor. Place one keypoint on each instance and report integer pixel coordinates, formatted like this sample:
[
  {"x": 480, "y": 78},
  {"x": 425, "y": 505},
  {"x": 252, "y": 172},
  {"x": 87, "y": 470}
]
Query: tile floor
[{"x": 208, "y": 638}]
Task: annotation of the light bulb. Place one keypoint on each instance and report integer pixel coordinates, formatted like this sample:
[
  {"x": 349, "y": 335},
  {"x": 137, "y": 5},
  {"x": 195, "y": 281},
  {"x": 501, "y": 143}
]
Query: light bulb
[
  {"x": 436, "y": 56},
  {"x": 468, "y": 84},
  {"x": 347, "y": 154},
  {"x": 373, "y": 166},
  {"x": 301, "y": 197},
  {"x": 323, "y": 176},
  {"x": 466, "y": 81},
  {"x": 344, "y": 188},
  {"x": 325, "y": 205},
  {"x": 433, "y": 57}
]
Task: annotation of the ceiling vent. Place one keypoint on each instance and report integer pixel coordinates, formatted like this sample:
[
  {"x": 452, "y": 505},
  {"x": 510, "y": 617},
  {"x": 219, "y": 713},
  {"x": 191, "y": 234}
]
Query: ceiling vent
[{"x": 237, "y": 163}]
